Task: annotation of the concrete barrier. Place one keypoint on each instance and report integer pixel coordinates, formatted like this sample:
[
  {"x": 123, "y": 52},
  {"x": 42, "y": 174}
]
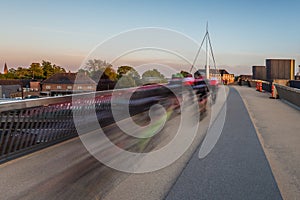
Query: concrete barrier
[
  {"x": 292, "y": 95},
  {"x": 295, "y": 83},
  {"x": 245, "y": 83},
  {"x": 253, "y": 83},
  {"x": 266, "y": 86}
]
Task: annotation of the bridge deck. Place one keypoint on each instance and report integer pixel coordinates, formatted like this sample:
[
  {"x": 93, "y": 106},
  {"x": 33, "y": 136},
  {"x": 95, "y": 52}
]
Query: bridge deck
[{"x": 236, "y": 168}]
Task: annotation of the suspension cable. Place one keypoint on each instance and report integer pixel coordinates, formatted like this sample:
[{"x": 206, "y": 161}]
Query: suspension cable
[
  {"x": 198, "y": 52},
  {"x": 212, "y": 53}
]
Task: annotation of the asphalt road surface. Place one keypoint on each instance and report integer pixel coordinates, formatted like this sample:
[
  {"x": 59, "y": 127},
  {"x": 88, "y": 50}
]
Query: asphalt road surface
[{"x": 236, "y": 168}]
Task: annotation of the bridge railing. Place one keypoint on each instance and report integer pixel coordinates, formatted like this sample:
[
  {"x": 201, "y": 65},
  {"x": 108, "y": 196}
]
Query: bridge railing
[
  {"x": 29, "y": 125},
  {"x": 292, "y": 95}
]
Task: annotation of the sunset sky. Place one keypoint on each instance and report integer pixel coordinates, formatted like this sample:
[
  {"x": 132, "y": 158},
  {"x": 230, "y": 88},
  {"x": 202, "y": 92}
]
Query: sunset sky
[{"x": 243, "y": 33}]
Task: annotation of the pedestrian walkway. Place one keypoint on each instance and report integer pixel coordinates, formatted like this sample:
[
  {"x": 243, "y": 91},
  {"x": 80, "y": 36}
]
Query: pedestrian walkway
[
  {"x": 236, "y": 168},
  {"x": 278, "y": 128}
]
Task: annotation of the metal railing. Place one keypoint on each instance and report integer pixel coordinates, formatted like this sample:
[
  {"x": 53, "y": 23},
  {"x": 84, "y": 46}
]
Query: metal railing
[{"x": 29, "y": 125}]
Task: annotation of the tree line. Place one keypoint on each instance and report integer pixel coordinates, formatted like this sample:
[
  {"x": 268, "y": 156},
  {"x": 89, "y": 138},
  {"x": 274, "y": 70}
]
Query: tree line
[
  {"x": 125, "y": 76},
  {"x": 96, "y": 69},
  {"x": 35, "y": 71}
]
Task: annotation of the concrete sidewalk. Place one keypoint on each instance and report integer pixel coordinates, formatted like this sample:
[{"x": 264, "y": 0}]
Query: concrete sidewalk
[{"x": 278, "y": 128}]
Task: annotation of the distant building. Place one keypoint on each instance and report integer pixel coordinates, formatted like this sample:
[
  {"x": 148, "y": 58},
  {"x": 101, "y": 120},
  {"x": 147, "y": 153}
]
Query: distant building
[
  {"x": 297, "y": 77},
  {"x": 24, "y": 83},
  {"x": 35, "y": 85},
  {"x": 67, "y": 83},
  {"x": 12, "y": 88},
  {"x": 202, "y": 72},
  {"x": 6, "y": 91},
  {"x": 212, "y": 73},
  {"x": 226, "y": 77},
  {"x": 5, "y": 71},
  {"x": 221, "y": 74},
  {"x": 259, "y": 73},
  {"x": 280, "y": 69}
]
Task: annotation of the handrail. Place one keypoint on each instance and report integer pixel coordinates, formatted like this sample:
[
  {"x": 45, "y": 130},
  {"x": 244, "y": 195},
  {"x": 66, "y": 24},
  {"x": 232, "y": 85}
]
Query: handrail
[
  {"x": 288, "y": 88},
  {"x": 289, "y": 94},
  {"x": 30, "y": 103},
  {"x": 29, "y": 125}
]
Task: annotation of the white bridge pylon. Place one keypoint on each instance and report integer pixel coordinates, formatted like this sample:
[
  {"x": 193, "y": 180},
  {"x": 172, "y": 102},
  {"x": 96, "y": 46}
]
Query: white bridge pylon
[{"x": 209, "y": 51}]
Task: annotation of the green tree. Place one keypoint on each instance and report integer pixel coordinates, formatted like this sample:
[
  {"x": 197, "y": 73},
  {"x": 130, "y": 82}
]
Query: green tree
[
  {"x": 126, "y": 81},
  {"x": 110, "y": 73},
  {"x": 23, "y": 73},
  {"x": 104, "y": 73},
  {"x": 131, "y": 73},
  {"x": 49, "y": 69},
  {"x": 99, "y": 69},
  {"x": 127, "y": 70},
  {"x": 58, "y": 69},
  {"x": 96, "y": 64},
  {"x": 10, "y": 75},
  {"x": 152, "y": 76},
  {"x": 12, "y": 70},
  {"x": 36, "y": 71}
]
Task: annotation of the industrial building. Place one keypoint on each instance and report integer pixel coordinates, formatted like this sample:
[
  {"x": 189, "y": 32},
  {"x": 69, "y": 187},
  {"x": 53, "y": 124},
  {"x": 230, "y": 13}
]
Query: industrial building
[
  {"x": 259, "y": 72},
  {"x": 280, "y": 69}
]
